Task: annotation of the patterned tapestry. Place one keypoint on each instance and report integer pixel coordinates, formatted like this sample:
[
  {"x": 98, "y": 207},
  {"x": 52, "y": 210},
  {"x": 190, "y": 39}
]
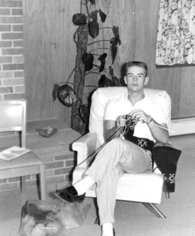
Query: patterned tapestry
[{"x": 176, "y": 32}]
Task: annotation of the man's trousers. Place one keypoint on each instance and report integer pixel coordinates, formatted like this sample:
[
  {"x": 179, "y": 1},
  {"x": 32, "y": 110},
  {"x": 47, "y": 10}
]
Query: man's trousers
[{"x": 117, "y": 156}]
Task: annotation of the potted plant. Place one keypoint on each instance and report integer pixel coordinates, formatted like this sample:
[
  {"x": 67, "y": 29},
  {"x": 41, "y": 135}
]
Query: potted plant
[{"x": 71, "y": 94}]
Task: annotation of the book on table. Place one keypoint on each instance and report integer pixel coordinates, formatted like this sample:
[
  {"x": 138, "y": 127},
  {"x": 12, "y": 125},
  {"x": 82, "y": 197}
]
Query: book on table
[{"x": 12, "y": 153}]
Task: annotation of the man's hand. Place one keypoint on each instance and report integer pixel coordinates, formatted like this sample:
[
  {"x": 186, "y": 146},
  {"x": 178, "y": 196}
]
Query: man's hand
[
  {"x": 120, "y": 121},
  {"x": 113, "y": 127},
  {"x": 140, "y": 115}
]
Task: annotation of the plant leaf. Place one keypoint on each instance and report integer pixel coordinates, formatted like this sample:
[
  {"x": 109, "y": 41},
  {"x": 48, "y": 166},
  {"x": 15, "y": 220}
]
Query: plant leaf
[
  {"x": 79, "y": 19},
  {"x": 55, "y": 91},
  {"x": 105, "y": 82},
  {"x": 66, "y": 95},
  {"x": 93, "y": 28},
  {"x": 84, "y": 111},
  {"x": 102, "y": 15},
  {"x": 113, "y": 49},
  {"x": 93, "y": 15},
  {"x": 92, "y": 2},
  {"x": 88, "y": 59},
  {"x": 111, "y": 71},
  {"x": 116, "y": 38},
  {"x": 115, "y": 30},
  {"x": 102, "y": 59}
]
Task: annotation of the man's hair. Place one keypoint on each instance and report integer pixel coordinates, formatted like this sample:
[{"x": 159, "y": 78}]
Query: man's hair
[{"x": 136, "y": 63}]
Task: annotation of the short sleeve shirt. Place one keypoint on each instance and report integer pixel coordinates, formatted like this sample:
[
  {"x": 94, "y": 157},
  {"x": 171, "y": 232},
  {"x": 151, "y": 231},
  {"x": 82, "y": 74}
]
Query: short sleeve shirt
[{"x": 122, "y": 106}]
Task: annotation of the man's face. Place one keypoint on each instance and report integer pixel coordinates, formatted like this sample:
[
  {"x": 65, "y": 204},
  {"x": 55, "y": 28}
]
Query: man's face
[{"x": 136, "y": 78}]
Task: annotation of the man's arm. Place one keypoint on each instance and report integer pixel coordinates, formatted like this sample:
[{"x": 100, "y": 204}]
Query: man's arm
[
  {"x": 109, "y": 129},
  {"x": 160, "y": 134},
  {"x": 112, "y": 126}
]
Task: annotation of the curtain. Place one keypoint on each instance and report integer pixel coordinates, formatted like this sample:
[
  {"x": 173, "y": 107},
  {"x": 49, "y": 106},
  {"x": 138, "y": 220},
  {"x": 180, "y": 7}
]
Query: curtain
[{"x": 176, "y": 32}]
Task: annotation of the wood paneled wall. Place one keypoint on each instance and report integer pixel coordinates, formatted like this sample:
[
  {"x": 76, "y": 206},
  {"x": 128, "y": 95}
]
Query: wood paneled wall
[{"x": 50, "y": 52}]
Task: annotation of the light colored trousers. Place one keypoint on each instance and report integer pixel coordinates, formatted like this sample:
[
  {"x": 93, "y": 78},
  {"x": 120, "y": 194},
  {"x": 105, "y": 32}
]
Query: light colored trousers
[{"x": 117, "y": 157}]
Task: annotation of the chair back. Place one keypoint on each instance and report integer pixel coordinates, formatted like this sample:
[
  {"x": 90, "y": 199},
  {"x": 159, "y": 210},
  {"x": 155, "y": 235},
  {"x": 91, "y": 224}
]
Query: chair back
[
  {"x": 13, "y": 117},
  {"x": 102, "y": 96}
]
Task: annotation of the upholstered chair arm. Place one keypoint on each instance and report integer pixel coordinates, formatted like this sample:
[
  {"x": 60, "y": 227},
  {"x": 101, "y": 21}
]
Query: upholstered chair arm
[{"x": 84, "y": 147}]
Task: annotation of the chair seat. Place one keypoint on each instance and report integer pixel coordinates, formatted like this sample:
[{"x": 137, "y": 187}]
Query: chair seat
[
  {"x": 13, "y": 119},
  {"x": 28, "y": 159},
  {"x": 147, "y": 187},
  {"x": 27, "y": 164}
]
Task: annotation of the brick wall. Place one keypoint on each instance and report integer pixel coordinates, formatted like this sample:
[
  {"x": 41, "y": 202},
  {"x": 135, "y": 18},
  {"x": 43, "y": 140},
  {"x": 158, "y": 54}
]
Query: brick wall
[{"x": 11, "y": 50}]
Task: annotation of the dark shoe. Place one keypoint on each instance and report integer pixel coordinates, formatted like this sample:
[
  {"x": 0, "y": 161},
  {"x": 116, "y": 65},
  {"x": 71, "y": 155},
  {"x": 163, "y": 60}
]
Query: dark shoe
[{"x": 69, "y": 195}]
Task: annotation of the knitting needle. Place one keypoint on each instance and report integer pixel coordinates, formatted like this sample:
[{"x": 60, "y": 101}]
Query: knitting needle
[
  {"x": 100, "y": 147},
  {"x": 49, "y": 228},
  {"x": 160, "y": 126},
  {"x": 156, "y": 125}
]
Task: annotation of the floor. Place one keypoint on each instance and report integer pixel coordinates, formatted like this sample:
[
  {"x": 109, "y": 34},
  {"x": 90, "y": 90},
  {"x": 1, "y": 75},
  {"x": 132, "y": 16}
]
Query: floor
[{"x": 131, "y": 218}]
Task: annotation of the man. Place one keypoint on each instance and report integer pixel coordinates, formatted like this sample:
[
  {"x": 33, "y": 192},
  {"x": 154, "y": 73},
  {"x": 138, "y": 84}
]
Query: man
[{"x": 123, "y": 153}]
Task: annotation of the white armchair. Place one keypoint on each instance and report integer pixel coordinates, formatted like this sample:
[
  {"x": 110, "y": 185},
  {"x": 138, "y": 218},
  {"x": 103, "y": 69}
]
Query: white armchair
[{"x": 146, "y": 187}]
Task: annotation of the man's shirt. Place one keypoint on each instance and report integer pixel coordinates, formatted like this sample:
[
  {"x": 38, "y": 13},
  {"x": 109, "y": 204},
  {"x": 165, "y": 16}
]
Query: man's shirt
[{"x": 122, "y": 106}]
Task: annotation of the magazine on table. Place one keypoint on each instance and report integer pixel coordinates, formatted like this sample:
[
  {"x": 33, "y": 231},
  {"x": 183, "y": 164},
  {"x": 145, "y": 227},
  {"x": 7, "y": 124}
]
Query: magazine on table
[{"x": 12, "y": 153}]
